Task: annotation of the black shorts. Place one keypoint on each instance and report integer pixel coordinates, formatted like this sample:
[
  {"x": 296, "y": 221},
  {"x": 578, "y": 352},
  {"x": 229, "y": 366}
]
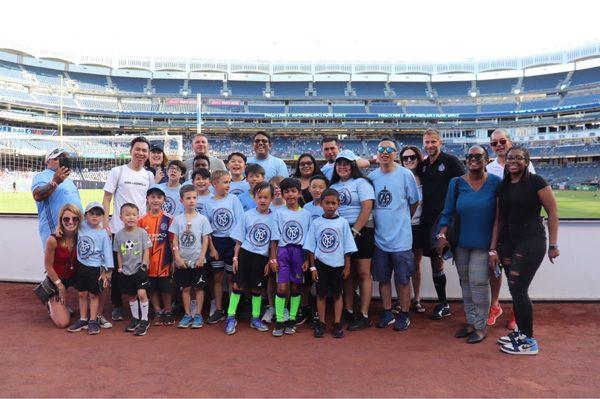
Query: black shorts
[
  {"x": 68, "y": 282},
  {"x": 225, "y": 247},
  {"x": 422, "y": 238},
  {"x": 251, "y": 270},
  {"x": 365, "y": 243},
  {"x": 330, "y": 280},
  {"x": 162, "y": 285},
  {"x": 86, "y": 279},
  {"x": 131, "y": 284},
  {"x": 186, "y": 278}
]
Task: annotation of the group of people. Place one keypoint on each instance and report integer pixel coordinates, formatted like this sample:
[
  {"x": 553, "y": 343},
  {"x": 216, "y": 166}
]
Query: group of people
[{"x": 247, "y": 228}]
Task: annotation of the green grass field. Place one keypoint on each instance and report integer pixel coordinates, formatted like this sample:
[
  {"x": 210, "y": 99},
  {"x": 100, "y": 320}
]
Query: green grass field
[{"x": 571, "y": 204}]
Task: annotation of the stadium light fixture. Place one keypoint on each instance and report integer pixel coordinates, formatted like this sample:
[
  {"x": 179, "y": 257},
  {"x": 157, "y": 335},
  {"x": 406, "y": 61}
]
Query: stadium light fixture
[
  {"x": 517, "y": 91},
  {"x": 267, "y": 94},
  {"x": 563, "y": 86},
  {"x": 473, "y": 93},
  {"x": 185, "y": 93}
]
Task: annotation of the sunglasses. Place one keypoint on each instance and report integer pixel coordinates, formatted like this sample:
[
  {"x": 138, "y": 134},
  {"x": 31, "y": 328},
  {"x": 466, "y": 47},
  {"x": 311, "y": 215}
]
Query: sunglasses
[
  {"x": 261, "y": 141},
  {"x": 501, "y": 142},
  {"x": 516, "y": 158},
  {"x": 96, "y": 212},
  {"x": 387, "y": 150},
  {"x": 307, "y": 163},
  {"x": 69, "y": 220},
  {"x": 474, "y": 157},
  {"x": 409, "y": 157}
]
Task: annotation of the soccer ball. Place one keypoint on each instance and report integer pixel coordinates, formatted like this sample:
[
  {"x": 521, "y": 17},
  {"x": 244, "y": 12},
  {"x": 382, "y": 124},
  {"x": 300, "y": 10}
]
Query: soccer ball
[{"x": 129, "y": 245}]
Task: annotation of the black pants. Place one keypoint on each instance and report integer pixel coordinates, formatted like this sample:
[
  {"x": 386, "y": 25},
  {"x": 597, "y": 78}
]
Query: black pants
[{"x": 521, "y": 258}]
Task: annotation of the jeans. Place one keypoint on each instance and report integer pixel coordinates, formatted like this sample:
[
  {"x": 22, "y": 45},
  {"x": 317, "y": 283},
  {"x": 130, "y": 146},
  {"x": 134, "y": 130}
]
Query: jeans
[{"x": 473, "y": 271}]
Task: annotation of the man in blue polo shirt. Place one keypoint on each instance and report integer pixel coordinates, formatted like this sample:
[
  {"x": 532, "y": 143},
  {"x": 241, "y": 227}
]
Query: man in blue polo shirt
[{"x": 272, "y": 165}]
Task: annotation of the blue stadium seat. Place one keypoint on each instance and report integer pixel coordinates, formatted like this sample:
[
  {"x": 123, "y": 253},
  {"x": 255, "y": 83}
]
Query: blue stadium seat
[
  {"x": 581, "y": 100},
  {"x": 543, "y": 82},
  {"x": 503, "y": 107},
  {"x": 460, "y": 108},
  {"x": 266, "y": 108},
  {"x": 585, "y": 76},
  {"x": 309, "y": 108},
  {"x": 330, "y": 89},
  {"x": 45, "y": 75},
  {"x": 246, "y": 89},
  {"x": 132, "y": 85},
  {"x": 385, "y": 108},
  {"x": 496, "y": 86},
  {"x": 206, "y": 87},
  {"x": 167, "y": 86},
  {"x": 539, "y": 104},
  {"x": 422, "y": 109},
  {"x": 289, "y": 89},
  {"x": 11, "y": 71},
  {"x": 349, "y": 108},
  {"x": 87, "y": 81},
  {"x": 369, "y": 89},
  {"x": 451, "y": 89},
  {"x": 409, "y": 89}
]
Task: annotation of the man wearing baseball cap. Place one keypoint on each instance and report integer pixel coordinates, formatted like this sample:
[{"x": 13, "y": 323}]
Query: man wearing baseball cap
[{"x": 52, "y": 189}]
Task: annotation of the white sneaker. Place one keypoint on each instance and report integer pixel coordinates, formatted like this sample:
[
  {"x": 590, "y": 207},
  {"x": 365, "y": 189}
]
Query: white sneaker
[
  {"x": 213, "y": 307},
  {"x": 193, "y": 306},
  {"x": 269, "y": 313},
  {"x": 286, "y": 314},
  {"x": 103, "y": 322}
]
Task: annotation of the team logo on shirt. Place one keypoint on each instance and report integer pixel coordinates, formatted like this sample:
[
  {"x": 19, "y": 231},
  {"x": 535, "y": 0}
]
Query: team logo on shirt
[
  {"x": 442, "y": 167},
  {"x": 163, "y": 226},
  {"x": 345, "y": 196},
  {"x": 222, "y": 219},
  {"x": 85, "y": 246},
  {"x": 292, "y": 232},
  {"x": 329, "y": 240},
  {"x": 169, "y": 206},
  {"x": 236, "y": 191},
  {"x": 187, "y": 239},
  {"x": 200, "y": 208},
  {"x": 260, "y": 234},
  {"x": 384, "y": 198}
]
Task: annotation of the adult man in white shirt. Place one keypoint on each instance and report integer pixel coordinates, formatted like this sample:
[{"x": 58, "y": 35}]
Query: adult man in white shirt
[{"x": 200, "y": 146}]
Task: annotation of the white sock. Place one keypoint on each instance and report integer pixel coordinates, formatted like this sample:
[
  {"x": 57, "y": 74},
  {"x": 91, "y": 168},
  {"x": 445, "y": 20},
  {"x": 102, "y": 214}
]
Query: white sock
[
  {"x": 135, "y": 311},
  {"x": 144, "y": 306}
]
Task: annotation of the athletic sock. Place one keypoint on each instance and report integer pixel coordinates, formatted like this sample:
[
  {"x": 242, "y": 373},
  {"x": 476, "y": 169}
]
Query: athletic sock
[
  {"x": 256, "y": 301},
  {"x": 279, "y": 307},
  {"x": 294, "y": 305},
  {"x": 439, "y": 281},
  {"x": 144, "y": 307},
  {"x": 135, "y": 310},
  {"x": 233, "y": 303}
]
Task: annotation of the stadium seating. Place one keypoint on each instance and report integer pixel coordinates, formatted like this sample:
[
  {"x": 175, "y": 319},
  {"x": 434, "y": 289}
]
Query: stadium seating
[
  {"x": 44, "y": 76},
  {"x": 88, "y": 81},
  {"x": 502, "y": 107},
  {"x": 409, "y": 89},
  {"x": 540, "y": 104},
  {"x": 167, "y": 86},
  {"x": 330, "y": 89},
  {"x": 266, "y": 108},
  {"x": 422, "y": 109},
  {"x": 10, "y": 71},
  {"x": 451, "y": 89},
  {"x": 496, "y": 86},
  {"x": 369, "y": 89},
  {"x": 311, "y": 108},
  {"x": 289, "y": 89},
  {"x": 133, "y": 85},
  {"x": 349, "y": 108},
  {"x": 459, "y": 108},
  {"x": 543, "y": 82},
  {"x": 585, "y": 77},
  {"x": 206, "y": 87},
  {"x": 246, "y": 89},
  {"x": 579, "y": 100},
  {"x": 385, "y": 108}
]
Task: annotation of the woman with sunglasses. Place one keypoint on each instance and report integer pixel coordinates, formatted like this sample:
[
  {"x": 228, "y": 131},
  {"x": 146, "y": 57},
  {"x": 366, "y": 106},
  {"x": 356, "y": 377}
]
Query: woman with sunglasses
[
  {"x": 356, "y": 205},
  {"x": 410, "y": 157},
  {"x": 472, "y": 199},
  {"x": 59, "y": 261},
  {"x": 306, "y": 167},
  {"x": 522, "y": 242}
]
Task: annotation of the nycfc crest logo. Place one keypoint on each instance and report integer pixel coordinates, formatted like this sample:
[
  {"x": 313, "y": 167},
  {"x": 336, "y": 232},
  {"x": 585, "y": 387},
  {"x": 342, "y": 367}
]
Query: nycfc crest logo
[
  {"x": 384, "y": 198},
  {"x": 236, "y": 191},
  {"x": 260, "y": 234},
  {"x": 85, "y": 246},
  {"x": 222, "y": 219},
  {"x": 345, "y": 196},
  {"x": 200, "y": 208},
  {"x": 187, "y": 239},
  {"x": 163, "y": 226},
  {"x": 329, "y": 240},
  {"x": 292, "y": 232},
  {"x": 442, "y": 167},
  {"x": 169, "y": 206}
]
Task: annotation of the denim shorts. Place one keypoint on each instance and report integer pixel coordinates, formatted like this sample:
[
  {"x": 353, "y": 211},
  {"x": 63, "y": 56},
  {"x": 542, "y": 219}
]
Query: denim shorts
[{"x": 400, "y": 263}]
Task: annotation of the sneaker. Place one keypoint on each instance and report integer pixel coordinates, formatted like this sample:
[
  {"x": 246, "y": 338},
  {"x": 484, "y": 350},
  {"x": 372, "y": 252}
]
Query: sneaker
[
  {"x": 495, "y": 312},
  {"x": 315, "y": 320},
  {"x": 78, "y": 326},
  {"x": 338, "y": 330},
  {"x": 396, "y": 308},
  {"x": 512, "y": 324},
  {"x": 104, "y": 323},
  {"x": 290, "y": 327},
  {"x": 302, "y": 316},
  {"x": 360, "y": 322},
  {"x": 347, "y": 316},
  {"x": 386, "y": 319},
  {"x": 417, "y": 307},
  {"x": 213, "y": 307},
  {"x": 521, "y": 346},
  {"x": 511, "y": 337},
  {"x": 93, "y": 327},
  {"x": 286, "y": 314},
  {"x": 258, "y": 324},
  {"x": 268, "y": 315},
  {"x": 230, "y": 324},
  {"x": 142, "y": 328},
  {"x": 441, "y": 310},
  {"x": 402, "y": 322},
  {"x": 117, "y": 314},
  {"x": 216, "y": 317},
  {"x": 477, "y": 336},
  {"x": 319, "y": 330},
  {"x": 186, "y": 321},
  {"x": 279, "y": 329},
  {"x": 132, "y": 325},
  {"x": 169, "y": 320},
  {"x": 159, "y": 319},
  {"x": 198, "y": 321}
]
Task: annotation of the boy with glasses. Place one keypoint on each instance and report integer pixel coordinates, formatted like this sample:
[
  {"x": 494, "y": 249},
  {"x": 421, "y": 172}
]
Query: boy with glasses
[{"x": 172, "y": 205}]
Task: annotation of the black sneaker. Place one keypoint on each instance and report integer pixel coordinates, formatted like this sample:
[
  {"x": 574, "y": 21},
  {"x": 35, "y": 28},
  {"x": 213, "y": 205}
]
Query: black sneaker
[
  {"x": 133, "y": 323},
  {"x": 338, "y": 330},
  {"x": 319, "y": 330},
  {"x": 93, "y": 327},
  {"x": 315, "y": 320},
  {"x": 141, "y": 328},
  {"x": 216, "y": 317},
  {"x": 302, "y": 316},
  {"x": 441, "y": 310},
  {"x": 117, "y": 314},
  {"x": 78, "y": 326},
  {"x": 360, "y": 322},
  {"x": 347, "y": 317},
  {"x": 169, "y": 319}
]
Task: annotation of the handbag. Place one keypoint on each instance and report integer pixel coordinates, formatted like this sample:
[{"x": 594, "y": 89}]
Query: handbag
[
  {"x": 45, "y": 290},
  {"x": 453, "y": 233}
]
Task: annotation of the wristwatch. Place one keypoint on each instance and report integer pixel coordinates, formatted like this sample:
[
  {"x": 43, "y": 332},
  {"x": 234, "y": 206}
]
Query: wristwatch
[
  {"x": 553, "y": 246},
  {"x": 441, "y": 235},
  {"x": 313, "y": 269}
]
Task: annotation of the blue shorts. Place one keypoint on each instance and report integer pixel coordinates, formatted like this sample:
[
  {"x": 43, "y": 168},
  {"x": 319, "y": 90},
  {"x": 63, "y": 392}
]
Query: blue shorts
[{"x": 401, "y": 263}]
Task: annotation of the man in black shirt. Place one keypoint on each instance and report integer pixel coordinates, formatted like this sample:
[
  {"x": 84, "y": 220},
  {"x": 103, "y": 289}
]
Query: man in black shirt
[{"x": 435, "y": 173}]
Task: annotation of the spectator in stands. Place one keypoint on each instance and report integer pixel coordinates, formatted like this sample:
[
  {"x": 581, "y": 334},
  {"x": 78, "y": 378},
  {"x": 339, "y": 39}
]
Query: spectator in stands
[
  {"x": 60, "y": 259},
  {"x": 330, "y": 146},
  {"x": 435, "y": 173},
  {"x": 272, "y": 165},
  {"x": 410, "y": 157},
  {"x": 200, "y": 146},
  {"x": 126, "y": 184},
  {"x": 472, "y": 199},
  {"x": 522, "y": 242},
  {"x": 500, "y": 142},
  {"x": 306, "y": 167},
  {"x": 52, "y": 189},
  {"x": 157, "y": 163}
]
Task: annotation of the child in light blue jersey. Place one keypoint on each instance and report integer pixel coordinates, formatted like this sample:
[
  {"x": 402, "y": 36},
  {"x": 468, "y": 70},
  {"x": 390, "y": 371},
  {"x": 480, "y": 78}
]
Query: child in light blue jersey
[
  {"x": 172, "y": 204},
  {"x": 317, "y": 185},
  {"x": 236, "y": 165},
  {"x": 254, "y": 174},
  {"x": 201, "y": 182}
]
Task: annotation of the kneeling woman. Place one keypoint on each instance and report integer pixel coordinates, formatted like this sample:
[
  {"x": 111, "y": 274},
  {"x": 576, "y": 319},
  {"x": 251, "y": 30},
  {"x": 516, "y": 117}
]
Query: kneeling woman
[{"x": 60, "y": 259}]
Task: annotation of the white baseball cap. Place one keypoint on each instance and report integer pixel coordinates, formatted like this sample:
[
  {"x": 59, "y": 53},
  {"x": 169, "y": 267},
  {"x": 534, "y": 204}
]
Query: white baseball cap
[{"x": 55, "y": 153}]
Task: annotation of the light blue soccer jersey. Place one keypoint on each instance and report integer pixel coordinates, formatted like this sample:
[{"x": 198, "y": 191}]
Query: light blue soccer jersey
[
  {"x": 190, "y": 235},
  {"x": 330, "y": 240},
  {"x": 395, "y": 192},
  {"x": 172, "y": 204},
  {"x": 272, "y": 165},
  {"x": 94, "y": 248},
  {"x": 224, "y": 214},
  {"x": 201, "y": 201},
  {"x": 352, "y": 193},
  {"x": 291, "y": 227},
  {"x": 247, "y": 201},
  {"x": 327, "y": 170},
  {"x": 238, "y": 187},
  {"x": 255, "y": 231},
  {"x": 314, "y": 210}
]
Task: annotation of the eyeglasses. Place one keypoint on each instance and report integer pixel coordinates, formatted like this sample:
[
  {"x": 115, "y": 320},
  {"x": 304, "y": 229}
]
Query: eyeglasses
[
  {"x": 175, "y": 168},
  {"x": 261, "y": 141},
  {"x": 307, "y": 163},
  {"x": 409, "y": 157},
  {"x": 69, "y": 220},
  {"x": 501, "y": 142},
  {"x": 96, "y": 212},
  {"x": 474, "y": 157},
  {"x": 515, "y": 158},
  {"x": 387, "y": 150}
]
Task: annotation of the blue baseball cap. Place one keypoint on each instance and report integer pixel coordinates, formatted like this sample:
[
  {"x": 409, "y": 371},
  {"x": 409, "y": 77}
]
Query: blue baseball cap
[
  {"x": 347, "y": 154},
  {"x": 156, "y": 187}
]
